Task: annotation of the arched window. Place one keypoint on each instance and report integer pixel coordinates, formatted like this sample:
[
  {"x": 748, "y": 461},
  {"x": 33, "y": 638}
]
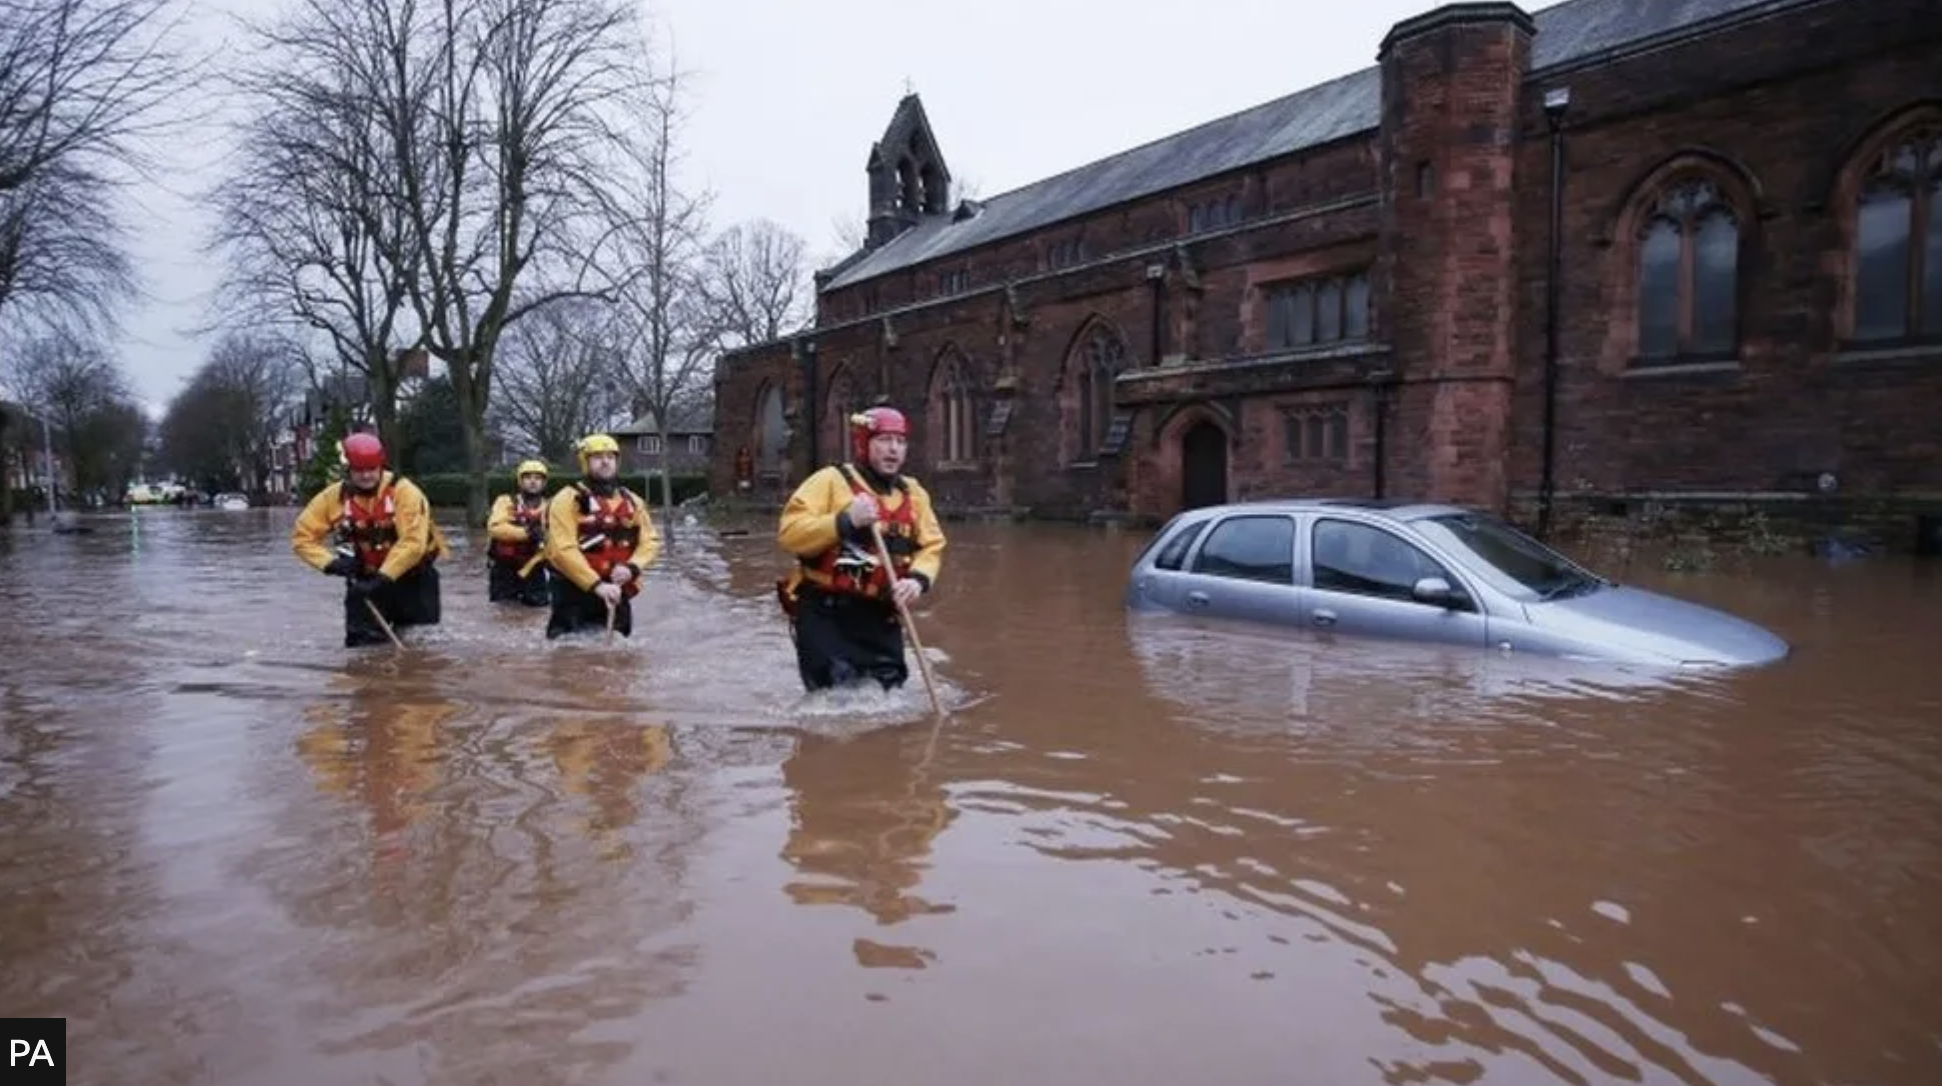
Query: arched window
[
  {"x": 1688, "y": 273},
  {"x": 842, "y": 400},
  {"x": 907, "y": 191},
  {"x": 1898, "y": 240},
  {"x": 953, "y": 407},
  {"x": 1101, "y": 357},
  {"x": 771, "y": 433}
]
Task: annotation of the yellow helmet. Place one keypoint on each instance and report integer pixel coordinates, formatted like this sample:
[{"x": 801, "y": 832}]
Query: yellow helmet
[
  {"x": 596, "y": 443},
  {"x": 530, "y": 467}
]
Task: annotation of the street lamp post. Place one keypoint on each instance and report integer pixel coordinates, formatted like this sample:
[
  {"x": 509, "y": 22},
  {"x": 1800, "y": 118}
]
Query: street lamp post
[{"x": 47, "y": 445}]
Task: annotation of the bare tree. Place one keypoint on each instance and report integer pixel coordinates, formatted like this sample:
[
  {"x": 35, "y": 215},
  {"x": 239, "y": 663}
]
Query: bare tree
[
  {"x": 62, "y": 260},
  {"x": 754, "y": 284},
  {"x": 312, "y": 214},
  {"x": 533, "y": 100},
  {"x": 79, "y": 83},
  {"x": 552, "y": 369},
  {"x": 221, "y": 429},
  {"x": 673, "y": 334},
  {"x": 83, "y": 395},
  {"x": 78, "y": 79},
  {"x": 847, "y": 234}
]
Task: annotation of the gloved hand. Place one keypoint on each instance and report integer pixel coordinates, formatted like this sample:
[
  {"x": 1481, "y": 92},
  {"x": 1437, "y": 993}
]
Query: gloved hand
[
  {"x": 341, "y": 566},
  {"x": 536, "y": 533},
  {"x": 364, "y": 587}
]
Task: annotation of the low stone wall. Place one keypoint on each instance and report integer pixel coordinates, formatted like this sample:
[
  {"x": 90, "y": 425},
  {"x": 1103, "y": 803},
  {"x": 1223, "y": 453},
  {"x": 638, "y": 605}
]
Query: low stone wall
[{"x": 1699, "y": 531}]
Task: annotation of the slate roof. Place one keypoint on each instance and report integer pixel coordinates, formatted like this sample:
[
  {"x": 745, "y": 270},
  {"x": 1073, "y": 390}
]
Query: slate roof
[
  {"x": 1576, "y": 31},
  {"x": 684, "y": 421}
]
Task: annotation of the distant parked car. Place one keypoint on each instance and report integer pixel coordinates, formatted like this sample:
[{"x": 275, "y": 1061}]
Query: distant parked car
[
  {"x": 232, "y": 501},
  {"x": 1423, "y": 572}
]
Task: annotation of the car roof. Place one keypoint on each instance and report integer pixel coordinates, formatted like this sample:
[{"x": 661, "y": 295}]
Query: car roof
[{"x": 1400, "y": 509}]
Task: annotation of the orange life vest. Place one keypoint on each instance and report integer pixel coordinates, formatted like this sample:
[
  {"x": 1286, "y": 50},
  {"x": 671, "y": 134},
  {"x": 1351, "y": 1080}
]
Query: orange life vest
[
  {"x": 369, "y": 526},
  {"x": 853, "y": 568},
  {"x": 614, "y": 521},
  {"x": 513, "y": 552}
]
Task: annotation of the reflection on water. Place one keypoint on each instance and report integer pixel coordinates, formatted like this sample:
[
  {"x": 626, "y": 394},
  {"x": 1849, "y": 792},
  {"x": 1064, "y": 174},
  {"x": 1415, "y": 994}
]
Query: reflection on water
[
  {"x": 866, "y": 811},
  {"x": 1141, "y": 848}
]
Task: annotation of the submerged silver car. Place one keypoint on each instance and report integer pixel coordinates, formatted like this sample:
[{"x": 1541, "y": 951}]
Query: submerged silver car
[{"x": 1422, "y": 572}]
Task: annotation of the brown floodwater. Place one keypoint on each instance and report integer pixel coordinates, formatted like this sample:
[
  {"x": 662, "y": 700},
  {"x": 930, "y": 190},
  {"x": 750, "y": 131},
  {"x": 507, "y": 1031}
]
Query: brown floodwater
[{"x": 1141, "y": 851}]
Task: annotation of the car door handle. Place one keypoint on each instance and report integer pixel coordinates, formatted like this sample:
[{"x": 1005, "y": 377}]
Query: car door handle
[
  {"x": 1324, "y": 617},
  {"x": 1196, "y": 599}
]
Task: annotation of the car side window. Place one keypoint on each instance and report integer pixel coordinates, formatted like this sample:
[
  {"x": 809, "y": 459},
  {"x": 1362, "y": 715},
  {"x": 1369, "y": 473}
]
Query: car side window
[
  {"x": 1366, "y": 561},
  {"x": 1250, "y": 548},
  {"x": 1174, "y": 554}
]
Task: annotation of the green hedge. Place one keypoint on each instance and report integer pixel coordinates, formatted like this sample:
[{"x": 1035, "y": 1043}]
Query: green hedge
[{"x": 449, "y": 489}]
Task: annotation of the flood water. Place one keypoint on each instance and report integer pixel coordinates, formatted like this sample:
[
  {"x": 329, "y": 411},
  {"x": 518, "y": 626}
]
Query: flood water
[{"x": 236, "y": 852}]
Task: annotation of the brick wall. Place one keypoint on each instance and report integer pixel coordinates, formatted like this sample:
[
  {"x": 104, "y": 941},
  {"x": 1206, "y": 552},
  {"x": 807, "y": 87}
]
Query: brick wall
[
  {"x": 1741, "y": 110},
  {"x": 1447, "y": 209},
  {"x": 1023, "y": 344},
  {"x": 744, "y": 382},
  {"x": 1450, "y": 94}
]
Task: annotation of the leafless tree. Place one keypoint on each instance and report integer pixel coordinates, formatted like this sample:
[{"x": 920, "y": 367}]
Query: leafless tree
[
  {"x": 312, "y": 215},
  {"x": 221, "y": 429},
  {"x": 553, "y": 367},
  {"x": 673, "y": 330},
  {"x": 80, "y": 81},
  {"x": 83, "y": 395},
  {"x": 850, "y": 232},
  {"x": 533, "y": 104},
  {"x": 62, "y": 261},
  {"x": 753, "y": 280}
]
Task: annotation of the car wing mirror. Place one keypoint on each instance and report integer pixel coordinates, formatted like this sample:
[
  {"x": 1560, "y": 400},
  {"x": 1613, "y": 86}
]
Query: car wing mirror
[{"x": 1433, "y": 590}]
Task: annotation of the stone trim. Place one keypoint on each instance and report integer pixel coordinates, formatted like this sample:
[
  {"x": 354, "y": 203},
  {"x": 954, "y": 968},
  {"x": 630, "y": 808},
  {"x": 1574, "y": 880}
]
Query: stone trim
[
  {"x": 1904, "y": 354},
  {"x": 1640, "y": 370}
]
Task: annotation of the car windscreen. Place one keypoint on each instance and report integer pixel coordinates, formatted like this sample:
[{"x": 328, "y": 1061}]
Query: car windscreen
[{"x": 1512, "y": 555}]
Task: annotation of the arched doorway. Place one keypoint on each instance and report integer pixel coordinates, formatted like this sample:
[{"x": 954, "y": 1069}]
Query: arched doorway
[{"x": 1203, "y": 466}]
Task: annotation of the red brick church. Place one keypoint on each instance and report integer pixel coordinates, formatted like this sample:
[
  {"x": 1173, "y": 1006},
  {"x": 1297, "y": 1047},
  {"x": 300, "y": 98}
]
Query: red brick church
[{"x": 1615, "y": 248}]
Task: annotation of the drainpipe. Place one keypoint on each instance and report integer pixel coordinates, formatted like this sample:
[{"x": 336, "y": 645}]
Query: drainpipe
[
  {"x": 1381, "y": 381},
  {"x": 811, "y": 418},
  {"x": 1156, "y": 277},
  {"x": 1556, "y": 100}
]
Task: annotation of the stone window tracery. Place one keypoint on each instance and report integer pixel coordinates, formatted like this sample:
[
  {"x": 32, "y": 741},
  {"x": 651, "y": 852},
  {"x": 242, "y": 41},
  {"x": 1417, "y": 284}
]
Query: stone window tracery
[
  {"x": 1688, "y": 273},
  {"x": 1897, "y": 252}
]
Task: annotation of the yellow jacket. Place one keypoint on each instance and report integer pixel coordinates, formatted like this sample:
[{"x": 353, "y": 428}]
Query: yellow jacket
[
  {"x": 563, "y": 538},
  {"x": 418, "y": 537},
  {"x": 500, "y": 527},
  {"x": 809, "y": 527}
]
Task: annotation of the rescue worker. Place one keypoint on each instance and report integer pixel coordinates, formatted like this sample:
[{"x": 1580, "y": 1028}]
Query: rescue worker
[
  {"x": 385, "y": 545},
  {"x": 517, "y": 529},
  {"x": 841, "y": 603},
  {"x": 600, "y": 538}
]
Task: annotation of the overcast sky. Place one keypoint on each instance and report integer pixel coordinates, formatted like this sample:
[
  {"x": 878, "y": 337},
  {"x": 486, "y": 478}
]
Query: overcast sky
[{"x": 788, "y": 95}]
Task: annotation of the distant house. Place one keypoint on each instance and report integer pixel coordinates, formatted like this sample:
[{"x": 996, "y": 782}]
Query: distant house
[{"x": 691, "y": 432}]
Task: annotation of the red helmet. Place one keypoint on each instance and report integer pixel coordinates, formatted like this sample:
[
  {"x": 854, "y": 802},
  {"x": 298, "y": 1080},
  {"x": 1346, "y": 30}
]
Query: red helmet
[
  {"x": 868, "y": 424},
  {"x": 361, "y": 452}
]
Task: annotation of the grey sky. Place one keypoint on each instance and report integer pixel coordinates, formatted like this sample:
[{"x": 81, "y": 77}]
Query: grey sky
[{"x": 787, "y": 96}]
